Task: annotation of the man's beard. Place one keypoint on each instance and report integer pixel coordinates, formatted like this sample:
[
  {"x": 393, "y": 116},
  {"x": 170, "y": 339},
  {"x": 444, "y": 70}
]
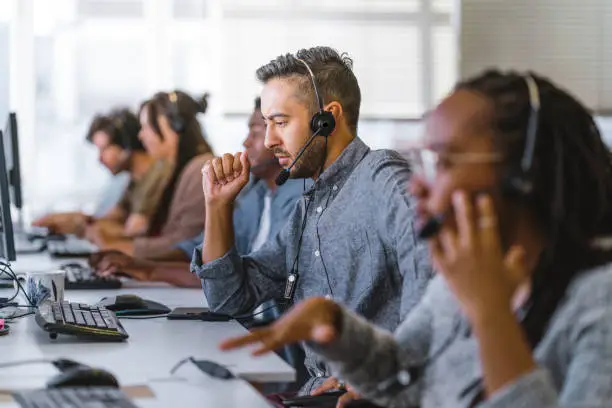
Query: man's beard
[{"x": 311, "y": 162}]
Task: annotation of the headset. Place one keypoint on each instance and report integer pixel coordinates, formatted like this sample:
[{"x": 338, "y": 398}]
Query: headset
[
  {"x": 322, "y": 123},
  {"x": 176, "y": 121},
  {"x": 518, "y": 181}
]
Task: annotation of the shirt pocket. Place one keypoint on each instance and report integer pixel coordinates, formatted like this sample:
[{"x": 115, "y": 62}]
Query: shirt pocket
[{"x": 348, "y": 260}]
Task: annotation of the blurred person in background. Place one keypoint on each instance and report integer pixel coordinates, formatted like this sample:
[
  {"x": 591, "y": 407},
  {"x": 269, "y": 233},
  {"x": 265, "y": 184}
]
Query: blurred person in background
[
  {"x": 171, "y": 134},
  {"x": 115, "y": 135},
  {"x": 260, "y": 212}
]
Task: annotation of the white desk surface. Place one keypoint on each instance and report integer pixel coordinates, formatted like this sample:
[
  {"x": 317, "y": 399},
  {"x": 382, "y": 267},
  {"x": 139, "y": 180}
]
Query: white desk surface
[{"x": 154, "y": 347}]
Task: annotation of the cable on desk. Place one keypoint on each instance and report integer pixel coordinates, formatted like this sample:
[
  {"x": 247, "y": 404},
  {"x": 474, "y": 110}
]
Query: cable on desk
[
  {"x": 13, "y": 317},
  {"x": 5, "y": 267},
  {"x": 25, "y": 362}
]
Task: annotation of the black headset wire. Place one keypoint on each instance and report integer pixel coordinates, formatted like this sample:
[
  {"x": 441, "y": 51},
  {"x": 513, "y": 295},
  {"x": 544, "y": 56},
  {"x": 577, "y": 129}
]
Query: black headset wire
[{"x": 318, "y": 237}]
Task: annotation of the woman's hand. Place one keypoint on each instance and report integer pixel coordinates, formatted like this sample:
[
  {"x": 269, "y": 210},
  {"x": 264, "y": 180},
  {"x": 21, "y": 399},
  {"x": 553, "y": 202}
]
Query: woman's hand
[
  {"x": 472, "y": 261},
  {"x": 315, "y": 319}
]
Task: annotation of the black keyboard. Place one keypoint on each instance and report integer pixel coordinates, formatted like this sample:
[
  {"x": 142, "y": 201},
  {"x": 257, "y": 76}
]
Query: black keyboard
[
  {"x": 81, "y": 320},
  {"x": 71, "y": 248},
  {"x": 83, "y": 277},
  {"x": 82, "y": 397}
]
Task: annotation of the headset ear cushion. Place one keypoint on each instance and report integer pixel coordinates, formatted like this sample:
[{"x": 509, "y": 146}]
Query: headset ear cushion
[
  {"x": 177, "y": 125},
  {"x": 517, "y": 184},
  {"x": 323, "y": 122}
]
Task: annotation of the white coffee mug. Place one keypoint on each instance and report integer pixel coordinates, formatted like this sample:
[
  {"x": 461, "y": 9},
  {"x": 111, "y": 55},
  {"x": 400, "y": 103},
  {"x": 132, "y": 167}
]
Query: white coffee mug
[{"x": 42, "y": 286}]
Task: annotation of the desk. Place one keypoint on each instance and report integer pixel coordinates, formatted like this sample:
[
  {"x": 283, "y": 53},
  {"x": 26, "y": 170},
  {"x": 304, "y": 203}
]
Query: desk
[
  {"x": 154, "y": 346},
  {"x": 204, "y": 393}
]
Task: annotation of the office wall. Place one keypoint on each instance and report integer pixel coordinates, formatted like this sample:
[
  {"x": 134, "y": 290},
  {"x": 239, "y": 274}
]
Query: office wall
[{"x": 566, "y": 40}]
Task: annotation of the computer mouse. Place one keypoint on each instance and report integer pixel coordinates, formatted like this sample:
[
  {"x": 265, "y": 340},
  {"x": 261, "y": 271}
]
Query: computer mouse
[
  {"x": 127, "y": 305},
  {"x": 124, "y": 302},
  {"x": 83, "y": 376}
]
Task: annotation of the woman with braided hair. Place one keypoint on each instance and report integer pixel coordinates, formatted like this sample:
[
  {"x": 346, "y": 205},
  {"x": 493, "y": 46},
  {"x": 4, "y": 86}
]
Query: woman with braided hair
[{"x": 514, "y": 172}]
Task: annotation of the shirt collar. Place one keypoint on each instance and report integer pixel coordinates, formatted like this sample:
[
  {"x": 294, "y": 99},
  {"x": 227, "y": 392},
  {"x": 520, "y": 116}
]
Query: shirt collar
[{"x": 344, "y": 165}]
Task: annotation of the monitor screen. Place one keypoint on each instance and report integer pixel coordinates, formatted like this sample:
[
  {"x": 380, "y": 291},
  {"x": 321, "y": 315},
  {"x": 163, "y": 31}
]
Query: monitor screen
[
  {"x": 7, "y": 243},
  {"x": 11, "y": 150}
]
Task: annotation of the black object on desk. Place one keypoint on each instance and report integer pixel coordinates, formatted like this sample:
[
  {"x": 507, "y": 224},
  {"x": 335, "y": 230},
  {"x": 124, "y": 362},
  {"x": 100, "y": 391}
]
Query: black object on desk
[
  {"x": 79, "y": 397},
  {"x": 197, "y": 313},
  {"x": 132, "y": 305},
  {"x": 209, "y": 367},
  {"x": 93, "y": 322},
  {"x": 83, "y": 376},
  {"x": 326, "y": 400}
]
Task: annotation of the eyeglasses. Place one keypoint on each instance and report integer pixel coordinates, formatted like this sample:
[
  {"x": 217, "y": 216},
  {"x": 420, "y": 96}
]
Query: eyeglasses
[{"x": 427, "y": 162}]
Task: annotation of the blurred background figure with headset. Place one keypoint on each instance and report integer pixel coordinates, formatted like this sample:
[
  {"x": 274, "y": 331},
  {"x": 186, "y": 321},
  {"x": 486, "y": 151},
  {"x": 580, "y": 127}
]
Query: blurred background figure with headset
[
  {"x": 172, "y": 135},
  {"x": 115, "y": 135},
  {"x": 260, "y": 212}
]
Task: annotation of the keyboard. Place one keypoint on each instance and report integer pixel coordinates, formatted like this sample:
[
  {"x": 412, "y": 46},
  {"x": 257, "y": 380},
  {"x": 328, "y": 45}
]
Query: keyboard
[
  {"x": 83, "y": 277},
  {"x": 25, "y": 246},
  {"x": 71, "y": 248},
  {"x": 81, "y": 320},
  {"x": 82, "y": 397}
]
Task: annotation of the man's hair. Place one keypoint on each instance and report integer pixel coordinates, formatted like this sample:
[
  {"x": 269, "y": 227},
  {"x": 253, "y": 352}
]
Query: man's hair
[
  {"x": 572, "y": 176},
  {"x": 122, "y": 127},
  {"x": 333, "y": 75}
]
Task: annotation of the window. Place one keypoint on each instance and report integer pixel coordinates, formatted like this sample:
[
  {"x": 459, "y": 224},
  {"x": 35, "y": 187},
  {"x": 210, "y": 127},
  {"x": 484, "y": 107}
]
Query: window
[{"x": 92, "y": 55}]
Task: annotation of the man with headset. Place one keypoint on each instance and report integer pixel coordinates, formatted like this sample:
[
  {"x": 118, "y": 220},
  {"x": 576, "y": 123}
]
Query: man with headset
[
  {"x": 351, "y": 237},
  {"x": 116, "y": 137}
]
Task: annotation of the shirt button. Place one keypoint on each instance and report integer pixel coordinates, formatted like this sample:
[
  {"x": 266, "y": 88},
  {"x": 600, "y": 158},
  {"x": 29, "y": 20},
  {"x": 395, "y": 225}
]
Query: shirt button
[
  {"x": 319, "y": 209},
  {"x": 335, "y": 187},
  {"x": 317, "y": 253}
]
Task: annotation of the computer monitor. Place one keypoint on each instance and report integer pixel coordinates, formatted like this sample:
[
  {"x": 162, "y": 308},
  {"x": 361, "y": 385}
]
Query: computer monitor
[
  {"x": 11, "y": 150},
  {"x": 7, "y": 242}
]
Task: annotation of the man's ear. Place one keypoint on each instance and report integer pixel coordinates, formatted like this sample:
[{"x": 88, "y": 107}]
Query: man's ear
[{"x": 336, "y": 109}]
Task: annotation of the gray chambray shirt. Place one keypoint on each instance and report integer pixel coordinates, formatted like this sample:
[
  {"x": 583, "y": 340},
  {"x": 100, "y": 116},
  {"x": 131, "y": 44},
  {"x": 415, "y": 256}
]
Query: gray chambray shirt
[{"x": 359, "y": 246}]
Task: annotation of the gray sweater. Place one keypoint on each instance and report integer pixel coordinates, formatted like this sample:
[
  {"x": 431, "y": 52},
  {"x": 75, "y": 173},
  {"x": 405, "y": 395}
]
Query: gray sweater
[
  {"x": 358, "y": 246},
  {"x": 574, "y": 356}
]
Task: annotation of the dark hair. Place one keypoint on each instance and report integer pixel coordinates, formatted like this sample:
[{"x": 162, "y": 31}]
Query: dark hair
[
  {"x": 191, "y": 142},
  {"x": 122, "y": 127},
  {"x": 257, "y": 103},
  {"x": 572, "y": 178},
  {"x": 333, "y": 74}
]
